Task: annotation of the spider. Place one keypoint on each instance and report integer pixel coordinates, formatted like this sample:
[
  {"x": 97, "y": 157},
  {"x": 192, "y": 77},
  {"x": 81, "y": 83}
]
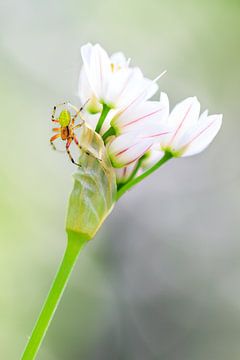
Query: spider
[{"x": 67, "y": 128}]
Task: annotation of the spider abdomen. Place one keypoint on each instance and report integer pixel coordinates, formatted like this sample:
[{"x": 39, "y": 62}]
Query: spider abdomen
[{"x": 65, "y": 132}]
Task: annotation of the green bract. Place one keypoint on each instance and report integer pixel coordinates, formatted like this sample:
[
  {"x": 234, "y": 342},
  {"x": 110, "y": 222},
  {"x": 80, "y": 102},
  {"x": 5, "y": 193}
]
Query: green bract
[{"x": 94, "y": 191}]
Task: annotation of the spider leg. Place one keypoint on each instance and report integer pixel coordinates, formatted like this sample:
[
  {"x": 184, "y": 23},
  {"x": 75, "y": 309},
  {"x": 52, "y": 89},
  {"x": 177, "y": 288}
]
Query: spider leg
[
  {"x": 87, "y": 152},
  {"x": 54, "y": 111},
  {"x": 69, "y": 153},
  {"x": 56, "y": 129},
  {"x": 53, "y": 114},
  {"x": 81, "y": 108},
  {"x": 75, "y": 116},
  {"x": 77, "y": 126},
  {"x": 78, "y": 111},
  {"x": 72, "y": 107},
  {"x": 53, "y": 138}
]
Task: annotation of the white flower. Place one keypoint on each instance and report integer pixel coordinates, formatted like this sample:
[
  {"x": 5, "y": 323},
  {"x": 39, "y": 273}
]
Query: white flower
[
  {"x": 138, "y": 124},
  {"x": 152, "y": 157},
  {"x": 111, "y": 81},
  {"x": 141, "y": 116},
  {"x": 85, "y": 91},
  {"x": 190, "y": 133},
  {"x": 137, "y": 127},
  {"x": 128, "y": 148}
]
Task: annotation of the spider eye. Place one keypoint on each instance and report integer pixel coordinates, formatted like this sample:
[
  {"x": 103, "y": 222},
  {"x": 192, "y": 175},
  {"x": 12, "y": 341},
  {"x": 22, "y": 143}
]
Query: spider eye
[{"x": 64, "y": 118}]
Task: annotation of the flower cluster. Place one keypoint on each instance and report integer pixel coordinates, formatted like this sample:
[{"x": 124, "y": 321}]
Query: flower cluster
[{"x": 136, "y": 130}]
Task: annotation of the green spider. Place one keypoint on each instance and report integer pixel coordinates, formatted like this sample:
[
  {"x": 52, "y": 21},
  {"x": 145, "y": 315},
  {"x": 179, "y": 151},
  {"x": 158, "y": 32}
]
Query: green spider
[{"x": 67, "y": 128}]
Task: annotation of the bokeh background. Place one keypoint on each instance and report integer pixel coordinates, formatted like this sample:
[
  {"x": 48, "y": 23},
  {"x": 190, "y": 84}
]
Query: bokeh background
[{"x": 161, "y": 279}]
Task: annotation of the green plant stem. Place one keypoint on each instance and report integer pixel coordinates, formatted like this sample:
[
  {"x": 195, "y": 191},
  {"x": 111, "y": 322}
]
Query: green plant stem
[
  {"x": 139, "y": 163},
  {"x": 133, "y": 174},
  {"x": 167, "y": 156},
  {"x": 109, "y": 132},
  {"x": 74, "y": 245},
  {"x": 103, "y": 116}
]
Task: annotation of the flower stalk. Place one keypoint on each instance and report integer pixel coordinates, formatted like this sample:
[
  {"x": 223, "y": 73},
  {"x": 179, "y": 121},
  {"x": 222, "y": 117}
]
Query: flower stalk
[
  {"x": 74, "y": 245},
  {"x": 103, "y": 116},
  {"x": 110, "y": 132}
]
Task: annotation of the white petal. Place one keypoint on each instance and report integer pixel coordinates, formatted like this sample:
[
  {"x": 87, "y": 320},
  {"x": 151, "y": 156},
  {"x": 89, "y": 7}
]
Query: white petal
[
  {"x": 203, "y": 116},
  {"x": 119, "y": 60},
  {"x": 150, "y": 88},
  {"x": 86, "y": 94},
  {"x": 140, "y": 115},
  {"x": 183, "y": 116},
  {"x": 165, "y": 102},
  {"x": 155, "y": 132},
  {"x": 106, "y": 125},
  {"x": 98, "y": 68},
  {"x": 136, "y": 91},
  {"x": 127, "y": 148},
  {"x": 86, "y": 51},
  {"x": 91, "y": 119},
  {"x": 134, "y": 88},
  {"x": 201, "y": 135},
  {"x": 84, "y": 89},
  {"x": 118, "y": 82},
  {"x": 154, "y": 155}
]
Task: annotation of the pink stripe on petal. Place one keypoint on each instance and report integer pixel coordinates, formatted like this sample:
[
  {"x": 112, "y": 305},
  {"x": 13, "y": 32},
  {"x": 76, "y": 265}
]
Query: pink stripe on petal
[
  {"x": 156, "y": 135},
  {"x": 124, "y": 150},
  {"x": 130, "y": 162},
  {"x": 199, "y": 134},
  {"x": 125, "y": 85},
  {"x": 142, "y": 92},
  {"x": 180, "y": 125},
  {"x": 142, "y": 117}
]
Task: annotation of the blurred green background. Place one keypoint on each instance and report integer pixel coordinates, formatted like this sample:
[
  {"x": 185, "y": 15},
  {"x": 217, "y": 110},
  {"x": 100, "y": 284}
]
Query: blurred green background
[{"x": 161, "y": 280}]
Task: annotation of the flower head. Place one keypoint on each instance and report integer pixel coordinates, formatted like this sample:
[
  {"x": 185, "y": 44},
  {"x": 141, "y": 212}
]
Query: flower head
[
  {"x": 190, "y": 133},
  {"x": 110, "y": 80},
  {"x": 139, "y": 134}
]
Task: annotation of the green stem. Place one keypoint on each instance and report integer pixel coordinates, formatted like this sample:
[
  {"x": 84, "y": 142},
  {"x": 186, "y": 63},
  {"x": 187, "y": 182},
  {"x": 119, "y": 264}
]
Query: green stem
[
  {"x": 74, "y": 245},
  {"x": 103, "y": 116},
  {"x": 109, "y": 132},
  {"x": 136, "y": 168},
  {"x": 167, "y": 156}
]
